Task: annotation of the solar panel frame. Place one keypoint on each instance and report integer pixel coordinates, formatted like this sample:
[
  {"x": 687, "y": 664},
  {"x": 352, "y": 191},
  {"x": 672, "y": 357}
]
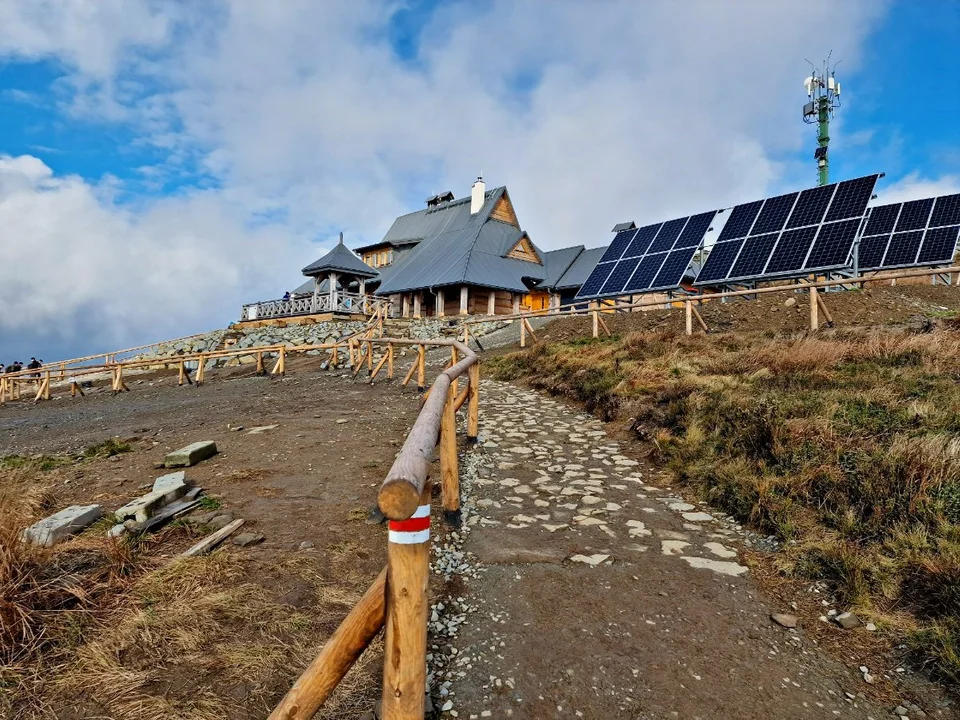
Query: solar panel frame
[
  {"x": 934, "y": 247},
  {"x": 841, "y": 218},
  {"x": 653, "y": 258}
]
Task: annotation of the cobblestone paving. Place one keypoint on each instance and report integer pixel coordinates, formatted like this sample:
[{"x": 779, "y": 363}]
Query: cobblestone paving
[{"x": 583, "y": 591}]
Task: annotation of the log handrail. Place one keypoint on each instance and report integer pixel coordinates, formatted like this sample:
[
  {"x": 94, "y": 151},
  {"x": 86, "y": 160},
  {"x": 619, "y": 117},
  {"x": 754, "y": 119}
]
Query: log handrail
[{"x": 399, "y": 495}]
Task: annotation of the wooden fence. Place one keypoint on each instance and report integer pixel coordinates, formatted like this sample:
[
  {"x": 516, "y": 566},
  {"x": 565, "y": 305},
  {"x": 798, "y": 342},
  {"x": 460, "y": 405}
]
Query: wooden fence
[
  {"x": 398, "y": 598},
  {"x": 691, "y": 302}
]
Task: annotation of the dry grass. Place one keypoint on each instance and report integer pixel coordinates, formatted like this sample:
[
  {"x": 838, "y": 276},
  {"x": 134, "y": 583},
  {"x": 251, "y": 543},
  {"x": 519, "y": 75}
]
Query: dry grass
[
  {"x": 98, "y": 628},
  {"x": 846, "y": 443}
]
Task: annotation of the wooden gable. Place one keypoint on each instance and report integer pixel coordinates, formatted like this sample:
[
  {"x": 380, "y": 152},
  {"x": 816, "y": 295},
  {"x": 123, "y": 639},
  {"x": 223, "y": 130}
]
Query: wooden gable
[
  {"x": 523, "y": 250},
  {"x": 504, "y": 212}
]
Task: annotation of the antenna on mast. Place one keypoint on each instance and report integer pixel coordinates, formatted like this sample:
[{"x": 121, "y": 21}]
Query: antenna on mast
[{"x": 823, "y": 98}]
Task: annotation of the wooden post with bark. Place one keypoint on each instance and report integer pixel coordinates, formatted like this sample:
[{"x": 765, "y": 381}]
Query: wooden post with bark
[
  {"x": 449, "y": 471},
  {"x": 473, "y": 408},
  {"x": 814, "y": 306}
]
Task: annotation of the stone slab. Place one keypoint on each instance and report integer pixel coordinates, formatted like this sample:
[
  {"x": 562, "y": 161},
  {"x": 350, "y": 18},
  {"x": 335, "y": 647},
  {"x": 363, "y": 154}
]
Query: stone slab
[
  {"x": 191, "y": 454},
  {"x": 62, "y": 525},
  {"x": 141, "y": 508},
  {"x": 173, "y": 486}
]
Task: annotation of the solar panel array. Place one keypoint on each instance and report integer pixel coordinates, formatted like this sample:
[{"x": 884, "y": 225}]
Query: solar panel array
[
  {"x": 647, "y": 259},
  {"x": 921, "y": 232},
  {"x": 790, "y": 234}
]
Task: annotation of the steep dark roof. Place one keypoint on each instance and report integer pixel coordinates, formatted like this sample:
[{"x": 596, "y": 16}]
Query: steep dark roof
[
  {"x": 557, "y": 262},
  {"x": 457, "y": 247},
  {"x": 340, "y": 259},
  {"x": 578, "y": 272}
]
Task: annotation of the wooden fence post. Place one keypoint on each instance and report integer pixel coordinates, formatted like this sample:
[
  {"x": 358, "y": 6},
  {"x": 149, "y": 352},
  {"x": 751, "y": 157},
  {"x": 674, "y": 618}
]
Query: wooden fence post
[
  {"x": 449, "y": 470},
  {"x": 389, "y": 361},
  {"x": 523, "y": 333},
  {"x": 473, "y": 406},
  {"x": 814, "y": 316},
  {"x": 405, "y": 652},
  {"x": 259, "y": 363},
  {"x": 421, "y": 368},
  {"x": 688, "y": 309},
  {"x": 596, "y": 320},
  {"x": 369, "y": 357}
]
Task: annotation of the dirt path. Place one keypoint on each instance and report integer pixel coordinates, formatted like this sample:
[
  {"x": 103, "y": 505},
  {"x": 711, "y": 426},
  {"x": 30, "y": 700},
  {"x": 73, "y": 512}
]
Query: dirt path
[{"x": 590, "y": 594}]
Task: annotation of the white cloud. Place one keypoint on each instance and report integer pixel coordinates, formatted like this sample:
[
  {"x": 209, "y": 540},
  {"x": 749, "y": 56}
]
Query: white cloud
[
  {"x": 78, "y": 269},
  {"x": 591, "y": 113},
  {"x": 915, "y": 187}
]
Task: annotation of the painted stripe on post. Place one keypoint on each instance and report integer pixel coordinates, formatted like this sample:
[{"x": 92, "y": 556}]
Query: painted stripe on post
[{"x": 412, "y": 531}]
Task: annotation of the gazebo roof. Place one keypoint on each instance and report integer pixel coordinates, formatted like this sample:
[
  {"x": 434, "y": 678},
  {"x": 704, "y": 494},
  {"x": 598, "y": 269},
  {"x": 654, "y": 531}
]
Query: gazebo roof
[{"x": 341, "y": 260}]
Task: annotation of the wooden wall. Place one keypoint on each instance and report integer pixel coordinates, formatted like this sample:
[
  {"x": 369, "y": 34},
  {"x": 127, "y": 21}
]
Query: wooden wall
[{"x": 504, "y": 211}]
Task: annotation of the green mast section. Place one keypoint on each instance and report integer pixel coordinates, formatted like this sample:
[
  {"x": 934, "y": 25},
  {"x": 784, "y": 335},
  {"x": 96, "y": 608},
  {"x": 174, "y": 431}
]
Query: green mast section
[
  {"x": 823, "y": 139},
  {"x": 823, "y": 98}
]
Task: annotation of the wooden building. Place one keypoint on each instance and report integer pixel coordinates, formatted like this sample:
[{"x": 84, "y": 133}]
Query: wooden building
[{"x": 470, "y": 256}]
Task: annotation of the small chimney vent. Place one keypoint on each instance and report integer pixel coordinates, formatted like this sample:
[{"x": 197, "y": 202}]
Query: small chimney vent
[{"x": 477, "y": 195}]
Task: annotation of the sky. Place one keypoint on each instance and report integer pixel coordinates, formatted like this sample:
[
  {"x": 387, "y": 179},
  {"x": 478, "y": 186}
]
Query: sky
[{"x": 162, "y": 163}]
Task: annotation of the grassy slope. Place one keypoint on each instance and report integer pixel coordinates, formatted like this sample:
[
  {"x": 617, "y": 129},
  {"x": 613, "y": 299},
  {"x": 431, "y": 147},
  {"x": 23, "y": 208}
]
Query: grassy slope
[
  {"x": 846, "y": 446},
  {"x": 97, "y": 627}
]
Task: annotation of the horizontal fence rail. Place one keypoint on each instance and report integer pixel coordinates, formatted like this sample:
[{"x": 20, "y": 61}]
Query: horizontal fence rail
[{"x": 689, "y": 302}]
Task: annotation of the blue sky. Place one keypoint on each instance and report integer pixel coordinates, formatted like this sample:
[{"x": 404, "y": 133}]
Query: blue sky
[{"x": 171, "y": 161}]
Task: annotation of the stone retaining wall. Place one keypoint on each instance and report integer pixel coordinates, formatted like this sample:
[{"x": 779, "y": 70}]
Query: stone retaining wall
[{"x": 316, "y": 334}]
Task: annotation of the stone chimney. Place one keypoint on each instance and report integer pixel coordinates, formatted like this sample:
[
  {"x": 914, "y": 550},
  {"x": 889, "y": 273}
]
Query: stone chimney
[{"x": 477, "y": 196}]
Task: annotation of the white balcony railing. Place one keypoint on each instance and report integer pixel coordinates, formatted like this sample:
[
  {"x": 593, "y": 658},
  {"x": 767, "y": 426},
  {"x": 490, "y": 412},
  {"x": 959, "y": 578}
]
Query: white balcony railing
[{"x": 342, "y": 302}]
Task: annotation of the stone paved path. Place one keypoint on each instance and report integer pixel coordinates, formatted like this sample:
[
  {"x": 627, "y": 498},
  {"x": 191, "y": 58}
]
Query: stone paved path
[{"x": 579, "y": 591}]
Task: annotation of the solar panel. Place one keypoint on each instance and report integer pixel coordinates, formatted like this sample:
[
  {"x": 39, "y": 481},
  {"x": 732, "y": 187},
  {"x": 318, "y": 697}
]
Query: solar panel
[
  {"x": 720, "y": 260},
  {"x": 810, "y": 206},
  {"x": 851, "y": 198},
  {"x": 939, "y": 245},
  {"x": 754, "y": 255},
  {"x": 596, "y": 280},
  {"x": 791, "y": 234},
  {"x": 740, "y": 221},
  {"x": 618, "y": 278},
  {"x": 642, "y": 240},
  {"x": 646, "y": 273},
  {"x": 919, "y": 232},
  {"x": 903, "y": 248},
  {"x": 620, "y": 242},
  {"x": 946, "y": 211},
  {"x": 773, "y": 216},
  {"x": 791, "y": 251},
  {"x": 833, "y": 244},
  {"x": 914, "y": 215},
  {"x": 669, "y": 232},
  {"x": 654, "y": 257},
  {"x": 872, "y": 250}
]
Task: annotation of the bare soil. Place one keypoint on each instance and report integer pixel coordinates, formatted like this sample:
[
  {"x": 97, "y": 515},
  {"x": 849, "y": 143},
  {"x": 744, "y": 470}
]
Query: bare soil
[{"x": 311, "y": 479}]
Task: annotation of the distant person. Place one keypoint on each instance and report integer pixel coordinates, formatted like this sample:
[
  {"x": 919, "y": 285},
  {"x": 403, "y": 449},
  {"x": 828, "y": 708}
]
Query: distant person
[
  {"x": 34, "y": 365},
  {"x": 286, "y": 295},
  {"x": 16, "y": 367}
]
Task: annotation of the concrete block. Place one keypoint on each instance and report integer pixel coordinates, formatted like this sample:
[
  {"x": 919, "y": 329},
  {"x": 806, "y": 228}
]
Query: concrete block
[
  {"x": 62, "y": 525},
  {"x": 142, "y": 508},
  {"x": 191, "y": 454},
  {"x": 172, "y": 485}
]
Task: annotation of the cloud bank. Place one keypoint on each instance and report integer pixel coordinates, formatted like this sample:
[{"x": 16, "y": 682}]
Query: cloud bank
[{"x": 295, "y": 120}]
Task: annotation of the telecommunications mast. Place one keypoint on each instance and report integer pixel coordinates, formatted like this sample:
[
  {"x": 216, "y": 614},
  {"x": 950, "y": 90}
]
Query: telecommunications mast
[{"x": 823, "y": 97}]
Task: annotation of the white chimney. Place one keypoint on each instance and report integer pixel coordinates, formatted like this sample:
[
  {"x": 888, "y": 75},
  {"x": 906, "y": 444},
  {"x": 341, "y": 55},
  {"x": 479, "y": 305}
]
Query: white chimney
[{"x": 477, "y": 196}]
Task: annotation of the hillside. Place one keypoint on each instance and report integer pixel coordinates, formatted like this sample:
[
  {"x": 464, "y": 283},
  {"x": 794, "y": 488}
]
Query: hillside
[{"x": 844, "y": 446}]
